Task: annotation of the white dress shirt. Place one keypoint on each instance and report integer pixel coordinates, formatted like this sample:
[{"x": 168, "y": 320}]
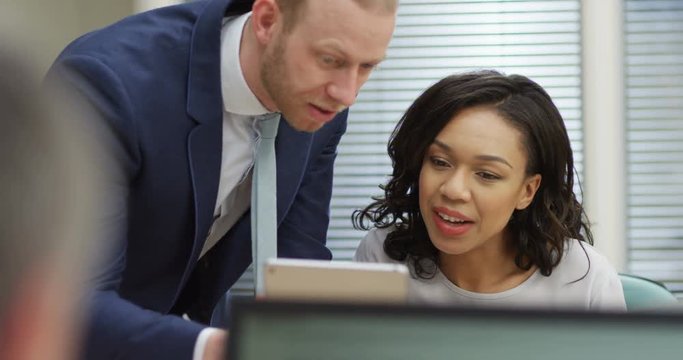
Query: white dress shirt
[{"x": 240, "y": 137}]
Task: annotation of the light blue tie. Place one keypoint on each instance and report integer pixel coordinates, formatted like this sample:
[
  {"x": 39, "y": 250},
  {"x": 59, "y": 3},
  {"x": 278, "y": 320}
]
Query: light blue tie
[{"x": 264, "y": 199}]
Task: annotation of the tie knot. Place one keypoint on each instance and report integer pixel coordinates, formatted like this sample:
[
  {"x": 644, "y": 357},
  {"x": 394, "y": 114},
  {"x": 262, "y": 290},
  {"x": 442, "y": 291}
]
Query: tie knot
[{"x": 268, "y": 125}]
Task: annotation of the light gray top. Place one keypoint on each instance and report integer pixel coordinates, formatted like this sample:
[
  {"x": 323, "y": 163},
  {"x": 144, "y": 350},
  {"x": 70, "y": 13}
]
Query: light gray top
[{"x": 600, "y": 289}]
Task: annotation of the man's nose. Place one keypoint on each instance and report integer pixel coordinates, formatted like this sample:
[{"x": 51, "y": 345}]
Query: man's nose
[{"x": 344, "y": 87}]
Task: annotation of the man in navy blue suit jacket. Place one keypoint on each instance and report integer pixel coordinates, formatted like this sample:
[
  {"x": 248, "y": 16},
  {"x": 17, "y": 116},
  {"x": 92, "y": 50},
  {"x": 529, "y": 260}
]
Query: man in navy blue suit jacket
[{"x": 157, "y": 80}]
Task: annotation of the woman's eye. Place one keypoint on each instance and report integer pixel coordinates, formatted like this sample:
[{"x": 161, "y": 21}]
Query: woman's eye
[
  {"x": 488, "y": 176},
  {"x": 438, "y": 162}
]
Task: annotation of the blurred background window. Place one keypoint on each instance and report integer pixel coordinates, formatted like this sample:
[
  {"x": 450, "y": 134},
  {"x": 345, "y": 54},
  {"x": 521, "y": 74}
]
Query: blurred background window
[
  {"x": 433, "y": 39},
  {"x": 654, "y": 139}
]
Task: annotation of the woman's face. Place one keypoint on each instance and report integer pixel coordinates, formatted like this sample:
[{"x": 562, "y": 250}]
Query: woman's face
[{"x": 472, "y": 179}]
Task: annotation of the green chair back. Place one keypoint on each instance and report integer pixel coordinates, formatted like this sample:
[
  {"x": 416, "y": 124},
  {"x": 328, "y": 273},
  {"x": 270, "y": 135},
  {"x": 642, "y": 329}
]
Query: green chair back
[{"x": 642, "y": 294}]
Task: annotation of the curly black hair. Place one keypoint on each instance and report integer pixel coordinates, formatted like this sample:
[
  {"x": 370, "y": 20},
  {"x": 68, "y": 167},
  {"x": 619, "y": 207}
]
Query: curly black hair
[{"x": 539, "y": 231}]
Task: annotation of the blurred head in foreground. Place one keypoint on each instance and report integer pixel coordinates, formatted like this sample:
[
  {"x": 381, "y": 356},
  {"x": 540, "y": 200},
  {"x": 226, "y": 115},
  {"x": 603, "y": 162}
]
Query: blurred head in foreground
[{"x": 48, "y": 194}]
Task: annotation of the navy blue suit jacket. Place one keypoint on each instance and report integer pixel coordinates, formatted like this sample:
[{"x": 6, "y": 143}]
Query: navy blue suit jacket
[{"x": 155, "y": 80}]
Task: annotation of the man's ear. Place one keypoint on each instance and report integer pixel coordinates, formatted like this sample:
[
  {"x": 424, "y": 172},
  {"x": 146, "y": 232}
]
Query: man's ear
[
  {"x": 531, "y": 185},
  {"x": 266, "y": 20}
]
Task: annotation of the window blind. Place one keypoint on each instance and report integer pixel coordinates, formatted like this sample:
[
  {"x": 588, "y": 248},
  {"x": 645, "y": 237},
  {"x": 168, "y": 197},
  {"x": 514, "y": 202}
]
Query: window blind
[
  {"x": 654, "y": 139},
  {"x": 433, "y": 39}
]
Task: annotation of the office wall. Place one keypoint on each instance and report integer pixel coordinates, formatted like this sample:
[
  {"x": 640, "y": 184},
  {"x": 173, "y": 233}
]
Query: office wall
[
  {"x": 603, "y": 119},
  {"x": 144, "y": 5},
  {"x": 49, "y": 25}
]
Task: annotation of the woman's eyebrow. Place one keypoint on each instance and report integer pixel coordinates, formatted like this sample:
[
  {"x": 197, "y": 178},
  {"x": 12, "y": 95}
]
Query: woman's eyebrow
[{"x": 494, "y": 158}]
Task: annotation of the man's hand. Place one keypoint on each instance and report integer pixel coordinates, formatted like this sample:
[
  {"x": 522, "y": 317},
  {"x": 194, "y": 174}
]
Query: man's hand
[{"x": 216, "y": 346}]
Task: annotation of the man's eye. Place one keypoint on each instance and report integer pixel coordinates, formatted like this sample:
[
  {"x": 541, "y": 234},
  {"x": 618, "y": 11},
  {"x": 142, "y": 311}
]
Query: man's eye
[{"x": 328, "y": 60}]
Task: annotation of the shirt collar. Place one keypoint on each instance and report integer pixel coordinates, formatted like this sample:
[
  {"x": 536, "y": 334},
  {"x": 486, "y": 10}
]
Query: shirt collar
[{"x": 237, "y": 97}]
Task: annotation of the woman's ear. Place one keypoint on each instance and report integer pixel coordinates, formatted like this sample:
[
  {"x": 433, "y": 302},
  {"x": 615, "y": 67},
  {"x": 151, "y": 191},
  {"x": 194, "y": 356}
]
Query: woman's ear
[
  {"x": 531, "y": 185},
  {"x": 265, "y": 18}
]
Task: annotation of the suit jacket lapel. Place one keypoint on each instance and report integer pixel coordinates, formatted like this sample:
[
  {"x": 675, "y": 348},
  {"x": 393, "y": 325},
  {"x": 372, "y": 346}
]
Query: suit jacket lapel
[
  {"x": 291, "y": 150},
  {"x": 204, "y": 105}
]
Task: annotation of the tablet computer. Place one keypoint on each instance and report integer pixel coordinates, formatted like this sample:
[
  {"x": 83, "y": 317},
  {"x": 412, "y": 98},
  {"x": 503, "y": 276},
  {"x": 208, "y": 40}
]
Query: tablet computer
[{"x": 335, "y": 281}]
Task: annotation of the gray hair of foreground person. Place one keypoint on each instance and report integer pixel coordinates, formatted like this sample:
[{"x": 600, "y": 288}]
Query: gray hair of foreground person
[{"x": 49, "y": 195}]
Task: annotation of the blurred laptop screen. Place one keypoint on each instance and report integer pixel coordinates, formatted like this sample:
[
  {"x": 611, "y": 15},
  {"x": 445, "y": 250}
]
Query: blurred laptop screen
[{"x": 273, "y": 330}]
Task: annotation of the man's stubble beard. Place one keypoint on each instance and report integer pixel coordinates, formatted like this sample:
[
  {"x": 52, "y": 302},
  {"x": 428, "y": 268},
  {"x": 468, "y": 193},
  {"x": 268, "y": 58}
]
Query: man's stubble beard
[{"x": 274, "y": 74}]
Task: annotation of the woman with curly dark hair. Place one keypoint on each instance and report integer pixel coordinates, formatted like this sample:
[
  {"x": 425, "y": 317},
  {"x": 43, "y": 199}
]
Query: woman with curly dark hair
[{"x": 481, "y": 206}]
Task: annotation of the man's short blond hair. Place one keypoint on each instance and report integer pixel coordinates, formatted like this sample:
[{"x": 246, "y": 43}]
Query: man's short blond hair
[{"x": 293, "y": 10}]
